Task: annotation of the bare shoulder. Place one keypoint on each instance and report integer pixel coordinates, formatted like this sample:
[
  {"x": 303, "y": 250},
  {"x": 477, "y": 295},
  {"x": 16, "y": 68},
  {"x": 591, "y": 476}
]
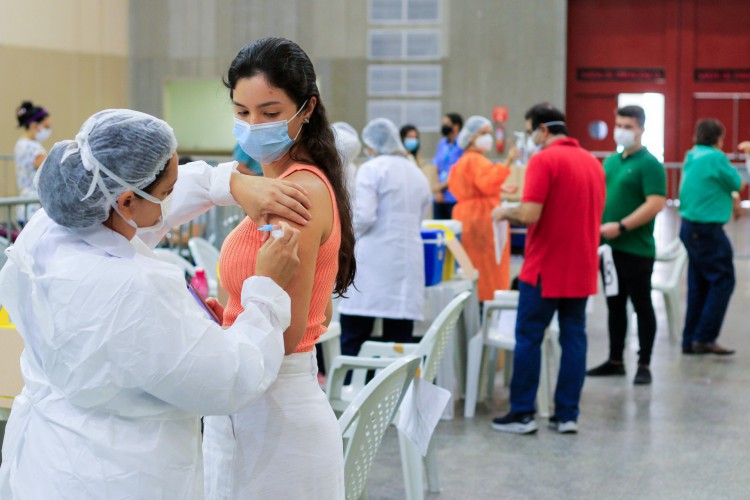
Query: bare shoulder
[{"x": 321, "y": 203}]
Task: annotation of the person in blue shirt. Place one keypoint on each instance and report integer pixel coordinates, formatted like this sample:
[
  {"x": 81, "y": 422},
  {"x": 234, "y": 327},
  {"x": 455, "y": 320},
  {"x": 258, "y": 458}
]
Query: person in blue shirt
[
  {"x": 447, "y": 153},
  {"x": 247, "y": 165}
]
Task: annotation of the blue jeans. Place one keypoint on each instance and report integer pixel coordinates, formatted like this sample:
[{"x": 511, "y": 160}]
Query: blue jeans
[
  {"x": 534, "y": 316},
  {"x": 710, "y": 280}
]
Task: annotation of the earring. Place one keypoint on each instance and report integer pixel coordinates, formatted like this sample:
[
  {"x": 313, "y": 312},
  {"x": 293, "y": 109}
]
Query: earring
[{"x": 307, "y": 119}]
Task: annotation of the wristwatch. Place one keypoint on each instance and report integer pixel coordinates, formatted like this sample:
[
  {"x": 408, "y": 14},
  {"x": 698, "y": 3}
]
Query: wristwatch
[{"x": 622, "y": 227}]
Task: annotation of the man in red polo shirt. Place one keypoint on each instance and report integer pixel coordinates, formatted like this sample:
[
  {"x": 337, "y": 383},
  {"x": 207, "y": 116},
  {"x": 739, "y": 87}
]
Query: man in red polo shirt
[{"x": 563, "y": 201}]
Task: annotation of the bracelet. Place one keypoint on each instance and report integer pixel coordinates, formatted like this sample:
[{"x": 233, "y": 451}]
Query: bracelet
[{"x": 622, "y": 227}]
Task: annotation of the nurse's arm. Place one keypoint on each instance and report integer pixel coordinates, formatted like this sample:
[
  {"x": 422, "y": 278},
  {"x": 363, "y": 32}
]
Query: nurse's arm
[
  {"x": 366, "y": 208},
  {"x": 525, "y": 214},
  {"x": 186, "y": 360}
]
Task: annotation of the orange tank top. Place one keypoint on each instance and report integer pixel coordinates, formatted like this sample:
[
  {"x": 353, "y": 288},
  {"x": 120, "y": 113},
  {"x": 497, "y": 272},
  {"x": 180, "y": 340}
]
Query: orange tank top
[{"x": 240, "y": 250}]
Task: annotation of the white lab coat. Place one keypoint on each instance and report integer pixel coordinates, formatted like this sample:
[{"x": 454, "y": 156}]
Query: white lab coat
[
  {"x": 120, "y": 361},
  {"x": 392, "y": 198}
]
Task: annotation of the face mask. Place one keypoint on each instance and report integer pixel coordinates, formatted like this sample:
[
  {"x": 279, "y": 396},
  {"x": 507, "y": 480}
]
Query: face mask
[
  {"x": 166, "y": 207},
  {"x": 446, "y": 130},
  {"x": 43, "y": 134},
  {"x": 624, "y": 137},
  {"x": 530, "y": 147},
  {"x": 483, "y": 143},
  {"x": 411, "y": 143},
  {"x": 265, "y": 142}
]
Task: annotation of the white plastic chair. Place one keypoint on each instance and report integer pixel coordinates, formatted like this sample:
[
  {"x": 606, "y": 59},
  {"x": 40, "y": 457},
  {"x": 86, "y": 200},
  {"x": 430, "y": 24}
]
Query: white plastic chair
[
  {"x": 169, "y": 256},
  {"x": 496, "y": 334},
  {"x": 365, "y": 421},
  {"x": 676, "y": 254},
  {"x": 206, "y": 256},
  {"x": 330, "y": 343},
  {"x": 431, "y": 348}
]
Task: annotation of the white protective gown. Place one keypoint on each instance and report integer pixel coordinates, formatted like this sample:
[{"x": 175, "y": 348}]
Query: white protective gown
[
  {"x": 392, "y": 198},
  {"x": 120, "y": 361}
]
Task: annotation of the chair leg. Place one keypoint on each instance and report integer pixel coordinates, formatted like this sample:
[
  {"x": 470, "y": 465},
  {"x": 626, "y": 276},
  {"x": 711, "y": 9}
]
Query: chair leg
[
  {"x": 473, "y": 371},
  {"x": 411, "y": 464},
  {"x": 544, "y": 392},
  {"x": 672, "y": 308},
  {"x": 431, "y": 466},
  {"x": 507, "y": 367},
  {"x": 491, "y": 372}
]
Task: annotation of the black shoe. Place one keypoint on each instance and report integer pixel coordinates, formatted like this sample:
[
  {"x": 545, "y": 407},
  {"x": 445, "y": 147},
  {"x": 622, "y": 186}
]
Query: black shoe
[
  {"x": 607, "y": 369},
  {"x": 642, "y": 376},
  {"x": 689, "y": 350},
  {"x": 519, "y": 423},
  {"x": 711, "y": 348}
]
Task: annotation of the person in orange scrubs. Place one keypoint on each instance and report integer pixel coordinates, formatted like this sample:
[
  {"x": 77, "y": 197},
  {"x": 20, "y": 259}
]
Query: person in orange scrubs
[{"x": 477, "y": 183}]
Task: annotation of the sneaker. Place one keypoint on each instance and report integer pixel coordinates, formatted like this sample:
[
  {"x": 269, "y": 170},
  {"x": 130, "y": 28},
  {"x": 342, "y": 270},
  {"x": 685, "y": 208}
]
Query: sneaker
[
  {"x": 642, "y": 376},
  {"x": 608, "y": 369},
  {"x": 569, "y": 427},
  {"x": 519, "y": 423}
]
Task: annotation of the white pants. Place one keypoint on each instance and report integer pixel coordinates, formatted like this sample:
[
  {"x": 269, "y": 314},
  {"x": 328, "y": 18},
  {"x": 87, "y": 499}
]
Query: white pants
[{"x": 287, "y": 444}]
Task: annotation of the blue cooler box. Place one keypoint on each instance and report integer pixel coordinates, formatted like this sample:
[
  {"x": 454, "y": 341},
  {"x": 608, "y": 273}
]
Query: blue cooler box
[{"x": 434, "y": 255}]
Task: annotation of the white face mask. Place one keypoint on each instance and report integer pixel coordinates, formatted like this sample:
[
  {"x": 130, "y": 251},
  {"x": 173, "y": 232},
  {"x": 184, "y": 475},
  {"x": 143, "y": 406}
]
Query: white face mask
[
  {"x": 165, "y": 205},
  {"x": 43, "y": 134},
  {"x": 484, "y": 142},
  {"x": 624, "y": 137}
]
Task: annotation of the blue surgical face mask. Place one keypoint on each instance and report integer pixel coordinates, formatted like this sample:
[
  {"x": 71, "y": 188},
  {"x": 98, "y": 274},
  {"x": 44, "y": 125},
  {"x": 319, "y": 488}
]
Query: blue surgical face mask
[
  {"x": 411, "y": 143},
  {"x": 265, "y": 142}
]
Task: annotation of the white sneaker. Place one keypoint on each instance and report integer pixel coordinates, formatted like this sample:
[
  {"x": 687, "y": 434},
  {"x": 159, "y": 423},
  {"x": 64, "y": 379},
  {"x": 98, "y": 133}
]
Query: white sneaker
[{"x": 569, "y": 427}]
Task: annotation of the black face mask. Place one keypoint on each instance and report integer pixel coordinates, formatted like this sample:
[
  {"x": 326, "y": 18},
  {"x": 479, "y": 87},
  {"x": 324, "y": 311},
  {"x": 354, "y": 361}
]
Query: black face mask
[{"x": 446, "y": 130}]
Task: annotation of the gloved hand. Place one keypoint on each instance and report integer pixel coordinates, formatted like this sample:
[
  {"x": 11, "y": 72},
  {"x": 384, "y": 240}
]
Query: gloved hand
[{"x": 277, "y": 258}]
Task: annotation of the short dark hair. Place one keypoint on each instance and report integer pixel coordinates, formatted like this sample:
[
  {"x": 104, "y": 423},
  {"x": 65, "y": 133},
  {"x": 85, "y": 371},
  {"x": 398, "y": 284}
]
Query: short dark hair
[
  {"x": 455, "y": 119},
  {"x": 544, "y": 113},
  {"x": 708, "y": 131},
  {"x": 633, "y": 111}
]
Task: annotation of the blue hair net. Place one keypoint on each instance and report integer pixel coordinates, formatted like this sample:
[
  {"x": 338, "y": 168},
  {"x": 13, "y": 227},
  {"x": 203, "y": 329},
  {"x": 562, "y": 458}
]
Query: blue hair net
[
  {"x": 469, "y": 130},
  {"x": 115, "y": 150},
  {"x": 382, "y": 136}
]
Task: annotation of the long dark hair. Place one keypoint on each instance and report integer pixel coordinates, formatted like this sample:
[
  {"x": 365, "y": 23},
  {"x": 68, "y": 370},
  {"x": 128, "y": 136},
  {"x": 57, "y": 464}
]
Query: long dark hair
[{"x": 286, "y": 66}]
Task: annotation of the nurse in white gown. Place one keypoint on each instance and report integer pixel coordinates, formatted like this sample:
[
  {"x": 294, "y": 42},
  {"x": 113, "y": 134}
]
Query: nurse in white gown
[{"x": 119, "y": 361}]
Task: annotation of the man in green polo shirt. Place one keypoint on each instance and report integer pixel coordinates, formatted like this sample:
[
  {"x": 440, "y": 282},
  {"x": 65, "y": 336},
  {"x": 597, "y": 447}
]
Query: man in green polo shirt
[
  {"x": 708, "y": 196},
  {"x": 636, "y": 192}
]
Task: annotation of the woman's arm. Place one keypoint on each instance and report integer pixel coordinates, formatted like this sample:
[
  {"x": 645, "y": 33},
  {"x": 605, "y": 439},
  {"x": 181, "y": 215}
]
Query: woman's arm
[
  {"x": 311, "y": 237},
  {"x": 201, "y": 186}
]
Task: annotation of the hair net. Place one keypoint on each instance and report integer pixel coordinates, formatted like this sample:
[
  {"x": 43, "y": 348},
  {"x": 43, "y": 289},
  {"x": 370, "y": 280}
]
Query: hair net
[
  {"x": 115, "y": 150},
  {"x": 347, "y": 142},
  {"x": 470, "y": 128},
  {"x": 382, "y": 136}
]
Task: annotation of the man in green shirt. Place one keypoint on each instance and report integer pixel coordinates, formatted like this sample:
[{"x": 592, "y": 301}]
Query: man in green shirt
[
  {"x": 636, "y": 192},
  {"x": 708, "y": 196}
]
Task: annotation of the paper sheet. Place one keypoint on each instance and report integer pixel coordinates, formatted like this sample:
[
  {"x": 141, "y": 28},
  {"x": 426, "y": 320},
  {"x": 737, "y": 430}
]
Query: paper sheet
[
  {"x": 500, "y": 232},
  {"x": 420, "y": 412},
  {"x": 609, "y": 272}
]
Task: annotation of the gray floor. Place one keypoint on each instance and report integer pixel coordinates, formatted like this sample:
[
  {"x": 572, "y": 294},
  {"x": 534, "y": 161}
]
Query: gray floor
[{"x": 684, "y": 437}]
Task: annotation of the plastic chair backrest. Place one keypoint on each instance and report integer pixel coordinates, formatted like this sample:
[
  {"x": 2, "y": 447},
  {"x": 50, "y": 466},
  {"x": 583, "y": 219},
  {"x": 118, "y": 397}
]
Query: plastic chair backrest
[
  {"x": 671, "y": 251},
  {"x": 680, "y": 261},
  {"x": 366, "y": 419},
  {"x": 171, "y": 257},
  {"x": 205, "y": 256},
  {"x": 434, "y": 342}
]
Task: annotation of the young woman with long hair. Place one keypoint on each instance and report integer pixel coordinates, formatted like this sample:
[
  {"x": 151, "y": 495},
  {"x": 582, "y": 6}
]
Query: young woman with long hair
[{"x": 287, "y": 444}]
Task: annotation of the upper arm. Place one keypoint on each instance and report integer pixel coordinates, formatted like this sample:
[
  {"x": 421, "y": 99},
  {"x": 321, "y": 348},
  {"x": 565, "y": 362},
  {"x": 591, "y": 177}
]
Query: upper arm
[
  {"x": 39, "y": 159},
  {"x": 730, "y": 175},
  {"x": 366, "y": 199},
  {"x": 536, "y": 183},
  {"x": 311, "y": 237}
]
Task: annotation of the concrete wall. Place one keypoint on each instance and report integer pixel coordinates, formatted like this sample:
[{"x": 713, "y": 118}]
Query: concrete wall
[
  {"x": 494, "y": 52},
  {"x": 71, "y": 56}
]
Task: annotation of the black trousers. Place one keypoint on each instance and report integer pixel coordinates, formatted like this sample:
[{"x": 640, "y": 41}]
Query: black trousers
[
  {"x": 634, "y": 279},
  {"x": 443, "y": 210},
  {"x": 356, "y": 330}
]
